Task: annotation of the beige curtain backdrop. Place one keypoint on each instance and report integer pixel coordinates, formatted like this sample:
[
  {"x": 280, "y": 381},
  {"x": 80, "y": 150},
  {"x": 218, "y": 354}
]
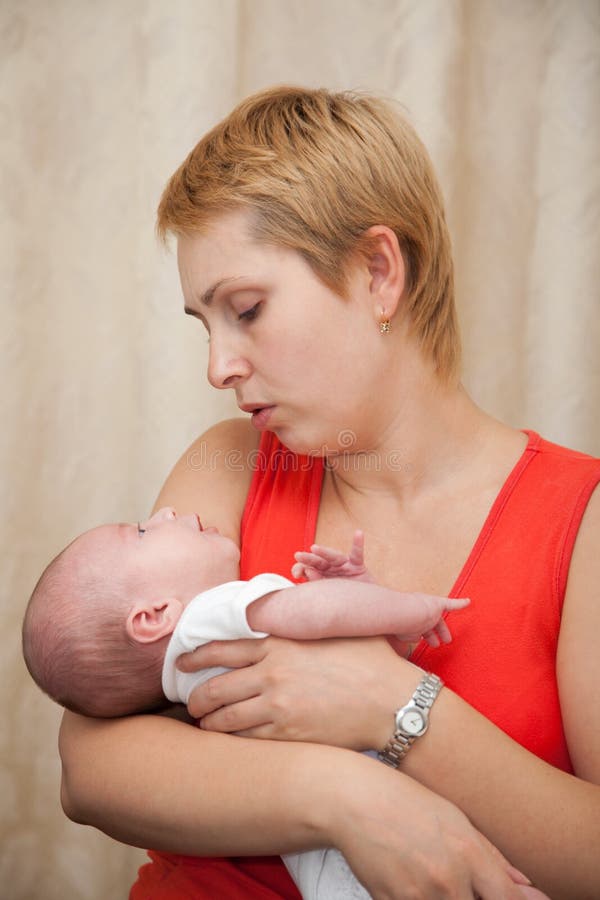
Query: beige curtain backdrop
[{"x": 102, "y": 376}]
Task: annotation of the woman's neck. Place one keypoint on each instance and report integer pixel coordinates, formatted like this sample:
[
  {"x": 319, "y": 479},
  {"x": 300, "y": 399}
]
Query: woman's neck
[{"x": 430, "y": 434}]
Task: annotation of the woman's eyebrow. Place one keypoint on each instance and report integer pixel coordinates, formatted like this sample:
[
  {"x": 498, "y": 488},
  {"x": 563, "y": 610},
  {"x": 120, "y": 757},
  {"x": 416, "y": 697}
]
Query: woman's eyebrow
[{"x": 207, "y": 297}]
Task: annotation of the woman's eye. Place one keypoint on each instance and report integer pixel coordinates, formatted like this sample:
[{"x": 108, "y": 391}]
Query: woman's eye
[
  {"x": 249, "y": 314},
  {"x": 140, "y": 529}
]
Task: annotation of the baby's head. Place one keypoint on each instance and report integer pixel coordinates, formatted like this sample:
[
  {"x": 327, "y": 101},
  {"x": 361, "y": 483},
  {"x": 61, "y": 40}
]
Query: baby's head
[{"x": 100, "y": 617}]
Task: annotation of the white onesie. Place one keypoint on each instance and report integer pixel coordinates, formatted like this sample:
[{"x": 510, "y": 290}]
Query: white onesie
[{"x": 220, "y": 615}]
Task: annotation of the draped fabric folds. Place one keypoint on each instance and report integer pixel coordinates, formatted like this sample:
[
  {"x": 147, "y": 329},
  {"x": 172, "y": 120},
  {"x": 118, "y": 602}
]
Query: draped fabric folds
[{"x": 103, "y": 380}]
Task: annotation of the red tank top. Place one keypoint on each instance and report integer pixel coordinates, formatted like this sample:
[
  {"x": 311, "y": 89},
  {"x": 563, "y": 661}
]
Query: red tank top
[{"x": 501, "y": 659}]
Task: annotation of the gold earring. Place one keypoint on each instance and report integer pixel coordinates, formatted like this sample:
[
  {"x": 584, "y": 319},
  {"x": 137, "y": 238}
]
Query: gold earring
[{"x": 385, "y": 326}]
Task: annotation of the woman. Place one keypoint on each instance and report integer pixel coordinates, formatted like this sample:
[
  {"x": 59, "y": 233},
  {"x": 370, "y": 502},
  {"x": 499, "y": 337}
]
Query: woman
[{"x": 313, "y": 247}]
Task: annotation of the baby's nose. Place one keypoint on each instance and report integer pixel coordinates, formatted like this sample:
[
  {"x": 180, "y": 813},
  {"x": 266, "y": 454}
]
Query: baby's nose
[{"x": 161, "y": 515}]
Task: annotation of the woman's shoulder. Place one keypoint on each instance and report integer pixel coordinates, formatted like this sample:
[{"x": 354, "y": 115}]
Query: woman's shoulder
[
  {"x": 229, "y": 435},
  {"x": 557, "y": 467},
  {"x": 559, "y": 452},
  {"x": 213, "y": 475}
]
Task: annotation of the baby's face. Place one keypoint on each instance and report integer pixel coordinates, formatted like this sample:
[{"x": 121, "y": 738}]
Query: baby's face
[{"x": 167, "y": 556}]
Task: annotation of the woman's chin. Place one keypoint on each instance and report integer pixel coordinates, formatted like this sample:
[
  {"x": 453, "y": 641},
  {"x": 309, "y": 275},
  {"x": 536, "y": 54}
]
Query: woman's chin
[{"x": 300, "y": 443}]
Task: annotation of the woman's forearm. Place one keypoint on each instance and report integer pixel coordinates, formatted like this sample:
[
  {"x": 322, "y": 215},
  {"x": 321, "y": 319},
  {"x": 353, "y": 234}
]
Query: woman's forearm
[
  {"x": 154, "y": 782},
  {"x": 545, "y": 821},
  {"x": 159, "y": 783}
]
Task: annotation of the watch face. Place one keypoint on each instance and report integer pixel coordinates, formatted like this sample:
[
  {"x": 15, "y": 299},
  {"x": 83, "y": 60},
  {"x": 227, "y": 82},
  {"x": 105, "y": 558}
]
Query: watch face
[{"x": 412, "y": 722}]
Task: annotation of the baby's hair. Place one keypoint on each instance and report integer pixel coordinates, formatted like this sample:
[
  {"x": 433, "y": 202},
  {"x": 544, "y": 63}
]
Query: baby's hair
[
  {"x": 76, "y": 646},
  {"x": 316, "y": 169}
]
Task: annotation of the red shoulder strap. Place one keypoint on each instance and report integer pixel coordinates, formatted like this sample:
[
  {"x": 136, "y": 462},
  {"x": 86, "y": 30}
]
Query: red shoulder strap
[
  {"x": 281, "y": 510},
  {"x": 502, "y": 658}
]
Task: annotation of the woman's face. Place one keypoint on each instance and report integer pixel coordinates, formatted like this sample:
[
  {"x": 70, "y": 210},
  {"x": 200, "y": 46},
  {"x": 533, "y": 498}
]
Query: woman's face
[{"x": 304, "y": 362}]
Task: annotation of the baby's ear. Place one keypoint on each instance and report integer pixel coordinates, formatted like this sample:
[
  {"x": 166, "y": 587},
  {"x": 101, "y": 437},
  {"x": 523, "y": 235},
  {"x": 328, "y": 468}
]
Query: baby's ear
[{"x": 152, "y": 620}]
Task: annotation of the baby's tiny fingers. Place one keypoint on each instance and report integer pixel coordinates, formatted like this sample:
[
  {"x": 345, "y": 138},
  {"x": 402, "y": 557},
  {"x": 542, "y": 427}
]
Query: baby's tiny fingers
[
  {"x": 331, "y": 556},
  {"x": 299, "y": 570},
  {"x": 456, "y": 603},
  {"x": 312, "y": 559},
  {"x": 443, "y": 632},
  {"x": 432, "y": 638},
  {"x": 357, "y": 550}
]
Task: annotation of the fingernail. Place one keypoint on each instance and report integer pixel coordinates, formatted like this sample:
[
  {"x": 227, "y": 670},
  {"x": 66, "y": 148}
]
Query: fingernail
[{"x": 523, "y": 876}]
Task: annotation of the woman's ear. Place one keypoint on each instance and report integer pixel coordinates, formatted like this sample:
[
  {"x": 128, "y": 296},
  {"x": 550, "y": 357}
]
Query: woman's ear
[
  {"x": 386, "y": 269},
  {"x": 152, "y": 620}
]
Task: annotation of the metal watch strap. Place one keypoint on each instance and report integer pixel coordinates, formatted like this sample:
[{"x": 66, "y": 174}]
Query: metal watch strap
[{"x": 399, "y": 744}]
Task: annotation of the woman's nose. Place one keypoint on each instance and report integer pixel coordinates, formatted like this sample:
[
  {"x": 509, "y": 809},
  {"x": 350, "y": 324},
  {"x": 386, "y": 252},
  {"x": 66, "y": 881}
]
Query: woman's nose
[{"x": 225, "y": 370}]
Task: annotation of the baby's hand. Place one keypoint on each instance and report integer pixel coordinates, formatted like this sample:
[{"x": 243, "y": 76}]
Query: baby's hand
[
  {"x": 323, "y": 562},
  {"x": 428, "y": 618}
]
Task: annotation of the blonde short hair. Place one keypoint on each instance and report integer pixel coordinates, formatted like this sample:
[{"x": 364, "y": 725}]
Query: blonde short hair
[{"x": 316, "y": 169}]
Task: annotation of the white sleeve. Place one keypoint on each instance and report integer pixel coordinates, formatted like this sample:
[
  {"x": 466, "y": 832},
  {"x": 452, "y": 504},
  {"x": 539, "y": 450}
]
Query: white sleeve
[
  {"x": 324, "y": 875},
  {"x": 215, "y": 615}
]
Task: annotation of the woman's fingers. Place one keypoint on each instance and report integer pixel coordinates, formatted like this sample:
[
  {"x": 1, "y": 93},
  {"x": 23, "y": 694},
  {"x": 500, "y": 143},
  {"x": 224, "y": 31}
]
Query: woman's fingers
[
  {"x": 230, "y": 654},
  {"x": 485, "y": 881},
  {"x": 311, "y": 690},
  {"x": 244, "y": 719},
  {"x": 240, "y": 684},
  {"x": 531, "y": 893},
  {"x": 233, "y": 687},
  {"x": 489, "y": 884}
]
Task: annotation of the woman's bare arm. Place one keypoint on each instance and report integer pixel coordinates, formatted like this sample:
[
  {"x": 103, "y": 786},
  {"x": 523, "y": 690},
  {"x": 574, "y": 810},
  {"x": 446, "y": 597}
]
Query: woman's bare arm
[
  {"x": 209, "y": 794},
  {"x": 156, "y": 782}
]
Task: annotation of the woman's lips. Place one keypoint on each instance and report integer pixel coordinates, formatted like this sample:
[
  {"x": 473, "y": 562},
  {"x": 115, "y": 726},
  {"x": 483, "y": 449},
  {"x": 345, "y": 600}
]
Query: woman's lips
[{"x": 261, "y": 416}]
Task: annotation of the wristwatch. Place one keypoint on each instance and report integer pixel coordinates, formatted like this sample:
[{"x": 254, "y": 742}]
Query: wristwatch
[{"x": 411, "y": 721}]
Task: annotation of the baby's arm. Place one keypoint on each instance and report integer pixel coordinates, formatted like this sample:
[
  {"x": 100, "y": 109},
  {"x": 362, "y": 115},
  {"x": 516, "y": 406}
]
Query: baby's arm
[
  {"x": 344, "y": 607},
  {"x": 324, "y": 562}
]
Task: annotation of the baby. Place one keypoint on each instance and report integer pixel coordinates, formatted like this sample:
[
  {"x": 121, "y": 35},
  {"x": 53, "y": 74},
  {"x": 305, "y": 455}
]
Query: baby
[{"x": 112, "y": 612}]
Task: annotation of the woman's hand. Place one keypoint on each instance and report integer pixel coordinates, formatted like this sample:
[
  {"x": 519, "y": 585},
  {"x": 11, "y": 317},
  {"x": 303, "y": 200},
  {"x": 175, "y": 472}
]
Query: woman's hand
[
  {"x": 403, "y": 841},
  {"x": 337, "y": 692}
]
